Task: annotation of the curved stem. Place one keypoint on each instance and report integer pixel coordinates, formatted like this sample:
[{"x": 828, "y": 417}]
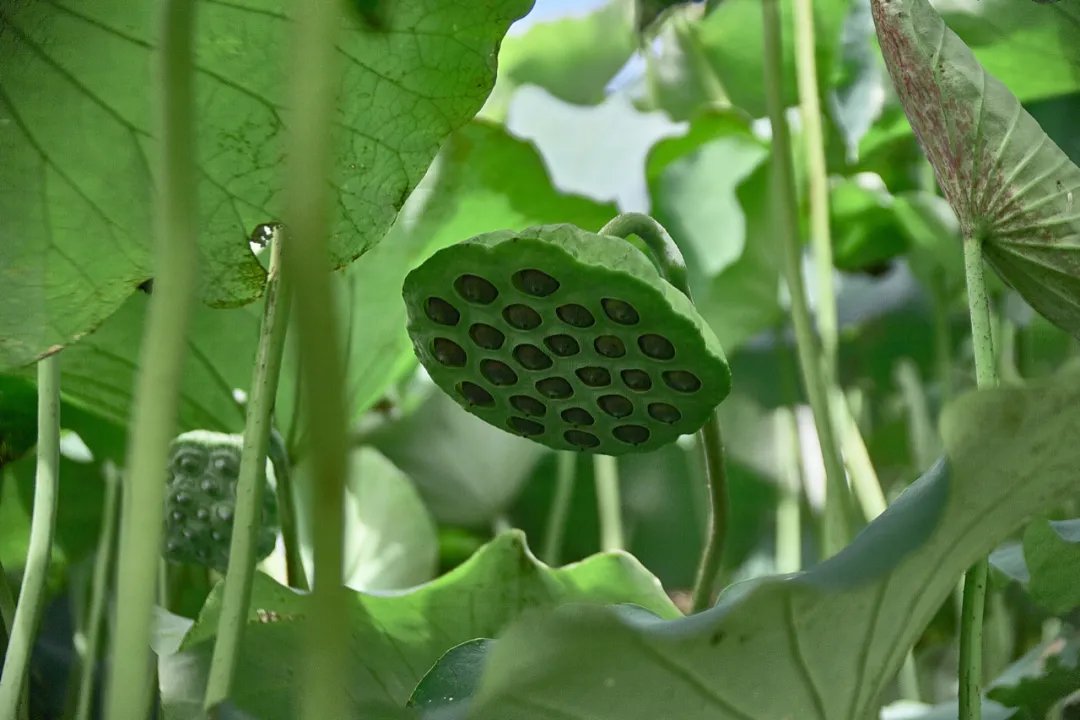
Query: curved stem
[
  {"x": 974, "y": 597},
  {"x": 42, "y": 524},
  {"x": 250, "y": 482},
  {"x": 608, "y": 502},
  {"x": 837, "y": 514},
  {"x": 164, "y": 344},
  {"x": 666, "y": 254},
  {"x": 99, "y": 589},
  {"x": 670, "y": 263},
  {"x": 290, "y": 535},
  {"x": 712, "y": 447},
  {"x": 560, "y": 507},
  {"x": 313, "y": 87}
]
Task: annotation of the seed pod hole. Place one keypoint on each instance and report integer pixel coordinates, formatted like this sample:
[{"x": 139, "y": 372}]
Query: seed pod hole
[
  {"x": 555, "y": 388},
  {"x": 636, "y": 379},
  {"x": 486, "y": 336},
  {"x": 535, "y": 282},
  {"x": 594, "y": 376},
  {"x": 225, "y": 465},
  {"x": 521, "y": 317},
  {"x": 631, "y": 434},
  {"x": 581, "y": 439},
  {"x": 531, "y": 357},
  {"x": 609, "y": 346},
  {"x": 475, "y": 395},
  {"x": 615, "y": 405},
  {"x": 657, "y": 347},
  {"x": 210, "y": 487},
  {"x": 525, "y": 426},
  {"x": 682, "y": 380},
  {"x": 562, "y": 345},
  {"x": 476, "y": 289},
  {"x": 528, "y": 405},
  {"x": 620, "y": 311},
  {"x": 441, "y": 312},
  {"x": 189, "y": 462},
  {"x": 448, "y": 352},
  {"x": 575, "y": 315},
  {"x": 224, "y": 513},
  {"x": 664, "y": 412},
  {"x": 577, "y": 416},
  {"x": 498, "y": 373}
]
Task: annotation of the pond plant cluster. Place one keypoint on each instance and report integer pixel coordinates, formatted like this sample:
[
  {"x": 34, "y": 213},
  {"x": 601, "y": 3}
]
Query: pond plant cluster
[{"x": 335, "y": 384}]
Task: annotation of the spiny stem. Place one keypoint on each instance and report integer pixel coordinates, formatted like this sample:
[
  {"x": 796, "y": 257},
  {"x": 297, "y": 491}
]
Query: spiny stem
[
  {"x": 314, "y": 81},
  {"x": 99, "y": 590},
  {"x": 974, "y": 598},
  {"x": 161, "y": 359},
  {"x": 560, "y": 507},
  {"x": 837, "y": 502},
  {"x": 712, "y": 448},
  {"x": 249, "y": 484},
  {"x": 42, "y": 524},
  {"x": 608, "y": 502}
]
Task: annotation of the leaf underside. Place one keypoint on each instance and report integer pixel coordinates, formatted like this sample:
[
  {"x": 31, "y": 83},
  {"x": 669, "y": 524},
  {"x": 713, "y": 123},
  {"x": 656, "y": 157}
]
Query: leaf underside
[{"x": 1008, "y": 183}]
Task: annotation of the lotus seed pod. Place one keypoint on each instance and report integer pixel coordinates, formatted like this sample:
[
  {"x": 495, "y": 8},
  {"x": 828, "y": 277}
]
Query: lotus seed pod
[
  {"x": 566, "y": 337},
  {"x": 200, "y": 500}
]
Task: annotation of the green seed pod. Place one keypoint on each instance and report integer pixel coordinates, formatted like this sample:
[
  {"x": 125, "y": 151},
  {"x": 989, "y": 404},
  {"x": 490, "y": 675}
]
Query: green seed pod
[
  {"x": 200, "y": 500},
  {"x": 566, "y": 337}
]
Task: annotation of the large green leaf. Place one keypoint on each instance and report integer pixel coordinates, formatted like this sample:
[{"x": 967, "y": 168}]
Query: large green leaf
[
  {"x": 1047, "y": 563},
  {"x": 822, "y": 643},
  {"x": 731, "y": 36},
  {"x": 76, "y": 135},
  {"x": 396, "y": 638},
  {"x": 1009, "y": 184},
  {"x": 1030, "y": 46}
]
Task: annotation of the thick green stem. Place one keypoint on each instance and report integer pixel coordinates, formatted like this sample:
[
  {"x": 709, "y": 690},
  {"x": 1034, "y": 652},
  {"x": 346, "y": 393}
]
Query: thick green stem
[
  {"x": 974, "y": 598},
  {"x": 290, "y": 535},
  {"x": 7, "y": 605},
  {"x": 42, "y": 524},
  {"x": 837, "y": 513},
  {"x": 788, "y": 511},
  {"x": 249, "y": 484},
  {"x": 608, "y": 502},
  {"x": 712, "y": 448},
  {"x": 312, "y": 97},
  {"x": 864, "y": 478},
  {"x": 555, "y": 531},
  {"x": 818, "y": 180},
  {"x": 161, "y": 360},
  {"x": 99, "y": 591}
]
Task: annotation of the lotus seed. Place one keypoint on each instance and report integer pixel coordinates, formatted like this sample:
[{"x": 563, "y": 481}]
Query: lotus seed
[
  {"x": 609, "y": 346},
  {"x": 575, "y": 315},
  {"x": 528, "y": 405},
  {"x": 532, "y": 357},
  {"x": 621, "y": 312},
  {"x": 562, "y": 345},
  {"x": 448, "y": 352},
  {"x": 498, "y": 373},
  {"x": 475, "y": 395},
  {"x": 656, "y": 347},
  {"x": 181, "y": 498},
  {"x": 521, "y": 317},
  {"x": 210, "y": 487},
  {"x": 226, "y": 465},
  {"x": 632, "y": 434},
  {"x": 682, "y": 380},
  {"x": 594, "y": 376},
  {"x": 177, "y": 515},
  {"x": 189, "y": 463},
  {"x": 202, "y": 514},
  {"x": 636, "y": 380},
  {"x": 442, "y": 312},
  {"x": 615, "y": 405},
  {"x": 224, "y": 512},
  {"x": 535, "y": 282},
  {"x": 476, "y": 289},
  {"x": 555, "y": 387},
  {"x": 525, "y": 427},
  {"x": 577, "y": 416},
  {"x": 664, "y": 413},
  {"x": 581, "y": 439},
  {"x": 486, "y": 336}
]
